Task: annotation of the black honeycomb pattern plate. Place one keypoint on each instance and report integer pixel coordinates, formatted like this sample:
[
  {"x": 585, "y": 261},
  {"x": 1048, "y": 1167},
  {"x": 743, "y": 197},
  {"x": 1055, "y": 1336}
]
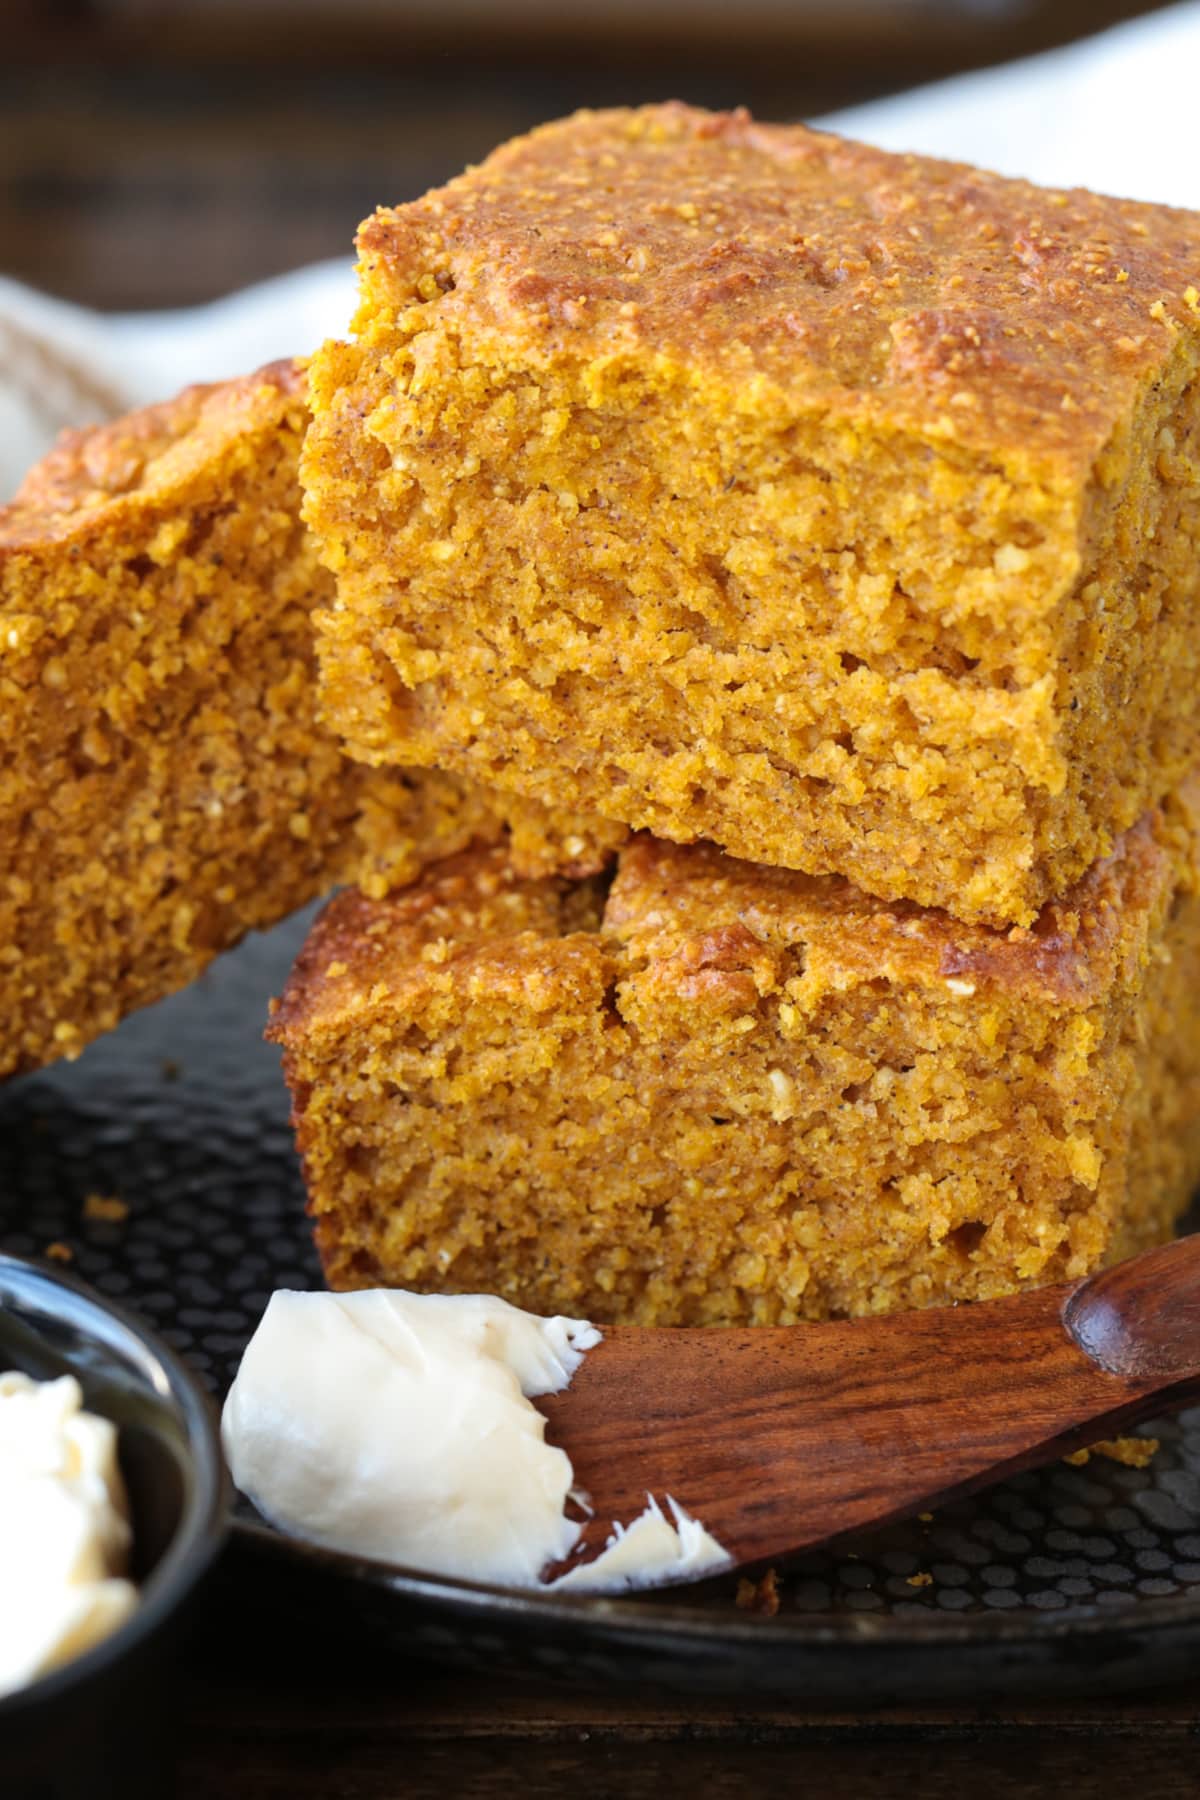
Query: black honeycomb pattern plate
[{"x": 1064, "y": 1578}]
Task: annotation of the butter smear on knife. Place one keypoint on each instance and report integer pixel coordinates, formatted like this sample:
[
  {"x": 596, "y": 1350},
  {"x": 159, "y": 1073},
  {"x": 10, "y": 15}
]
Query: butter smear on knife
[{"x": 399, "y": 1427}]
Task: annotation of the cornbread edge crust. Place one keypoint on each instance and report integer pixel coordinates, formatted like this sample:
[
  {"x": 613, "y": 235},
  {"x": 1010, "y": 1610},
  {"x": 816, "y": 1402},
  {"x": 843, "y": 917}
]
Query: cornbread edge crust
[
  {"x": 164, "y": 784},
  {"x": 739, "y": 482},
  {"x": 725, "y": 1093}
]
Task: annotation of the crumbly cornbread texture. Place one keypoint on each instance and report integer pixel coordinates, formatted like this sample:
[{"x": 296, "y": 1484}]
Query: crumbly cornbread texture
[
  {"x": 729, "y": 1093},
  {"x": 164, "y": 784},
  {"x": 739, "y": 482}
]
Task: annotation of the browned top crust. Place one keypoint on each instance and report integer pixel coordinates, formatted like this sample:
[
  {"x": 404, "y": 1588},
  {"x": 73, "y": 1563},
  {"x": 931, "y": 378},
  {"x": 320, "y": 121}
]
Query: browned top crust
[
  {"x": 689, "y": 921},
  {"x": 146, "y": 454},
  {"x": 469, "y": 904},
  {"x": 895, "y": 289},
  {"x": 697, "y": 910}
]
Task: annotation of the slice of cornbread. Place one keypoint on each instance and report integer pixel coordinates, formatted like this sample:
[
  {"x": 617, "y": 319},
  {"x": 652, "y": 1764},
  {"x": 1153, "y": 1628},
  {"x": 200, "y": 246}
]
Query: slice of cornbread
[
  {"x": 735, "y": 481},
  {"x": 728, "y": 1093},
  {"x": 164, "y": 784}
]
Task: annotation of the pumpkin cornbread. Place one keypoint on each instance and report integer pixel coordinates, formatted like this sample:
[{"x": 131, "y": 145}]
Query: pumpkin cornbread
[
  {"x": 725, "y": 1093},
  {"x": 164, "y": 785},
  {"x": 736, "y": 481}
]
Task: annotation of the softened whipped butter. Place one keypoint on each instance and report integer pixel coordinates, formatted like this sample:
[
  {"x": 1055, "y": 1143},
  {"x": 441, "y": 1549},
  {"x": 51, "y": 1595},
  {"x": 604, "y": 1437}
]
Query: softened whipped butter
[
  {"x": 399, "y": 1426},
  {"x": 649, "y": 1552},
  {"x": 64, "y": 1528}
]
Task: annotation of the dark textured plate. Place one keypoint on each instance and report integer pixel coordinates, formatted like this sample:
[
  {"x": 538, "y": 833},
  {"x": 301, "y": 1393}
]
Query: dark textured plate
[{"x": 1069, "y": 1578}]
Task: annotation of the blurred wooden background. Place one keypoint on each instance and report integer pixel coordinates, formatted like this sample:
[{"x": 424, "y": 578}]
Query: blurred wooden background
[{"x": 158, "y": 152}]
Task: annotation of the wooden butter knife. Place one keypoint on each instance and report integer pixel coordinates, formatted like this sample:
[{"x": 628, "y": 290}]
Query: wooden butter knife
[{"x": 779, "y": 1438}]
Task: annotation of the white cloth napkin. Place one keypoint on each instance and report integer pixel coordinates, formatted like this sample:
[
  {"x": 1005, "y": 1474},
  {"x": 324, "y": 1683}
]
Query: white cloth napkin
[
  {"x": 63, "y": 365},
  {"x": 1115, "y": 113}
]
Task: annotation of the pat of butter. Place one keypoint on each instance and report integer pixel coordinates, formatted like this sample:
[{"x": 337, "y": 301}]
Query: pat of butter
[
  {"x": 64, "y": 1528},
  {"x": 652, "y": 1551},
  {"x": 398, "y": 1426}
]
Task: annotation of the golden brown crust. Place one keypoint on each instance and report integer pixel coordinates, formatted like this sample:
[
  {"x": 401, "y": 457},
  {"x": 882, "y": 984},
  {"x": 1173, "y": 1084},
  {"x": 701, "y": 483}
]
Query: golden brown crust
[
  {"x": 473, "y": 902},
  {"x": 146, "y": 455},
  {"x": 906, "y": 291},
  {"x": 692, "y": 920}
]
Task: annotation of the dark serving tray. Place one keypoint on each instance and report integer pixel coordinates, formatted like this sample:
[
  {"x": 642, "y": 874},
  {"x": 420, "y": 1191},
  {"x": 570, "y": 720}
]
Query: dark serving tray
[{"x": 1067, "y": 1579}]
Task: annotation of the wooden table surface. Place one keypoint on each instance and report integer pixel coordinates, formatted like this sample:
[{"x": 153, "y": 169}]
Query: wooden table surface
[{"x": 271, "y": 1720}]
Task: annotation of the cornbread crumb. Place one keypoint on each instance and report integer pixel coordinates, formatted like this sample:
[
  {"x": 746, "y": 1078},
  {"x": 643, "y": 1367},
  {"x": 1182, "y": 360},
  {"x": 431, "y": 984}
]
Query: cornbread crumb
[
  {"x": 921, "y": 1579},
  {"x": 1133, "y": 1452},
  {"x": 760, "y": 1596},
  {"x": 106, "y": 1207},
  {"x": 60, "y": 1252}
]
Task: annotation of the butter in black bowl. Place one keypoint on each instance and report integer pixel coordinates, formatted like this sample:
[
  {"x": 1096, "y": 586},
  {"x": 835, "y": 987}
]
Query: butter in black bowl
[{"x": 100, "y": 1723}]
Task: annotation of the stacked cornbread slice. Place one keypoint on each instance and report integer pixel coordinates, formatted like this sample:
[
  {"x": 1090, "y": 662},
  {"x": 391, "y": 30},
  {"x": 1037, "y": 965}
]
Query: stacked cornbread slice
[
  {"x": 723, "y": 1092},
  {"x": 165, "y": 784},
  {"x": 738, "y": 484}
]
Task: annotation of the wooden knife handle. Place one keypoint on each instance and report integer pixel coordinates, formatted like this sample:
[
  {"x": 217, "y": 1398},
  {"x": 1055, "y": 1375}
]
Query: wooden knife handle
[{"x": 1141, "y": 1318}]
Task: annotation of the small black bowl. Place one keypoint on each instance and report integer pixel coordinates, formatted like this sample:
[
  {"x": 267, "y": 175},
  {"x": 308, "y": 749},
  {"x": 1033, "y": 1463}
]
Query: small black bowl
[{"x": 100, "y": 1725}]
